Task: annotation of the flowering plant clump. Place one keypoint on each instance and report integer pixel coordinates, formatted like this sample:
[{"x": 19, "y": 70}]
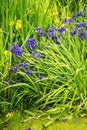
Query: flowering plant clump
[
  {"x": 16, "y": 50},
  {"x": 52, "y": 66}
]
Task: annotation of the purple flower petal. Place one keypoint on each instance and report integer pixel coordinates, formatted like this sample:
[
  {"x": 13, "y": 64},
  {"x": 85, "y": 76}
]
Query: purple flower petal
[
  {"x": 61, "y": 30},
  {"x": 28, "y": 128},
  {"x": 24, "y": 64},
  {"x": 70, "y": 20},
  {"x": 16, "y": 50},
  {"x": 73, "y": 32},
  {"x": 82, "y": 35},
  {"x": 28, "y": 72},
  {"x": 64, "y": 20},
  {"x": 40, "y": 77},
  {"x": 33, "y": 53},
  {"x": 38, "y": 55}
]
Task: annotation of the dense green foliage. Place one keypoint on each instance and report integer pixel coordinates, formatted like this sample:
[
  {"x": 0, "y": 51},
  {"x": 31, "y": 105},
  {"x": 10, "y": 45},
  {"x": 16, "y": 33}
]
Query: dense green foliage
[{"x": 56, "y": 79}]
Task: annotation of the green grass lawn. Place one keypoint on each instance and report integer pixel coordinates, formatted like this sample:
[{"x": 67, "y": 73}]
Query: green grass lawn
[{"x": 20, "y": 122}]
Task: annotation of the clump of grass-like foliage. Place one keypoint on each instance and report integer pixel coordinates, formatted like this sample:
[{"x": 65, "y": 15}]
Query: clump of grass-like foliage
[{"x": 49, "y": 70}]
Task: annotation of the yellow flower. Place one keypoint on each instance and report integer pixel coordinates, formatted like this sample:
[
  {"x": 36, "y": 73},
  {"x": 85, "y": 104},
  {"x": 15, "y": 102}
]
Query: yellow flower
[
  {"x": 19, "y": 21},
  {"x": 11, "y": 23},
  {"x": 6, "y": 53},
  {"x": 18, "y": 26},
  {"x": 56, "y": 21},
  {"x": 54, "y": 14},
  {"x": 9, "y": 115}
]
